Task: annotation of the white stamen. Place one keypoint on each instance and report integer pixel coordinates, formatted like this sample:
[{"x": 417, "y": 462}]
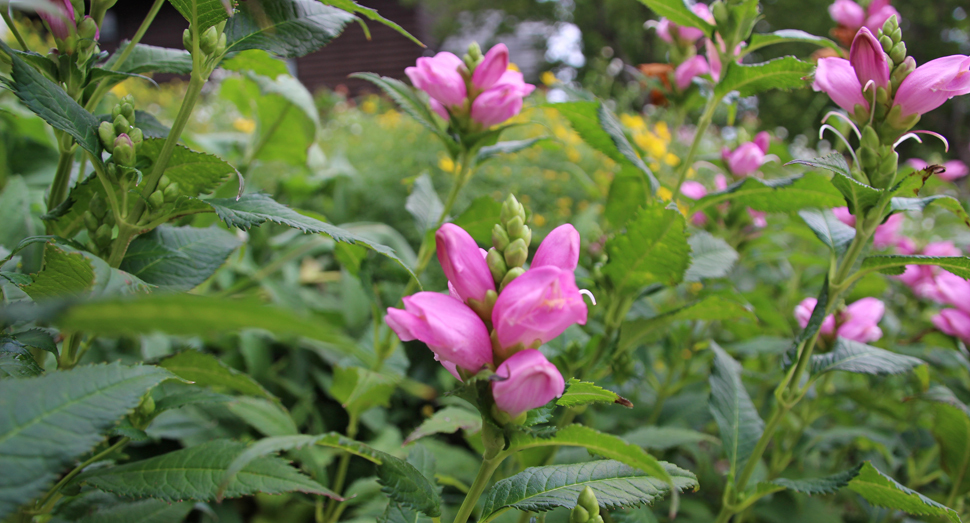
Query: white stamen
[
  {"x": 905, "y": 137},
  {"x": 590, "y": 294},
  {"x": 946, "y": 144},
  {"x": 821, "y": 132},
  {"x": 847, "y": 120}
]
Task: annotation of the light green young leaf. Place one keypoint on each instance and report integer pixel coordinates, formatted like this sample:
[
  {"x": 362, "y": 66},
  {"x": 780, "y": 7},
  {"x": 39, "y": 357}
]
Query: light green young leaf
[
  {"x": 585, "y": 393},
  {"x": 479, "y": 219},
  {"x": 940, "y": 200},
  {"x": 677, "y": 12},
  {"x": 817, "y": 486},
  {"x": 447, "y": 421},
  {"x": 423, "y": 203},
  {"x": 628, "y": 192},
  {"x": 653, "y": 249},
  {"x": 371, "y": 14},
  {"x": 47, "y": 422},
  {"x": 263, "y": 447},
  {"x": 709, "y": 308},
  {"x": 859, "y": 196},
  {"x": 397, "y": 513},
  {"x": 406, "y": 99},
  {"x": 204, "y": 369},
  {"x": 256, "y": 61},
  {"x": 196, "y": 173},
  {"x": 15, "y": 214},
  {"x": 359, "y": 389},
  {"x": 883, "y": 491},
  {"x": 852, "y": 356},
  {"x": 491, "y": 151},
  {"x": 616, "y": 485},
  {"x": 68, "y": 273},
  {"x": 781, "y": 73},
  {"x": 779, "y": 195},
  {"x": 287, "y": 28},
  {"x": 736, "y": 416}
]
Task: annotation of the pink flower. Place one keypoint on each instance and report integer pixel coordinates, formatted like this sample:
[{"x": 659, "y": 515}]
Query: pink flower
[
  {"x": 859, "y": 321},
  {"x": 869, "y": 60},
  {"x": 714, "y": 59},
  {"x": 663, "y": 30},
  {"x": 847, "y": 13},
  {"x": 690, "y": 69},
  {"x": 666, "y": 28},
  {"x": 954, "y": 169},
  {"x": 537, "y": 306},
  {"x": 440, "y": 78},
  {"x": 803, "y": 312},
  {"x": 953, "y": 290},
  {"x": 450, "y": 329},
  {"x": 746, "y": 159},
  {"x": 62, "y": 24},
  {"x": 530, "y": 382},
  {"x": 923, "y": 279},
  {"x": 886, "y": 234},
  {"x": 917, "y": 163},
  {"x": 932, "y": 84},
  {"x": 758, "y": 218},
  {"x": 879, "y": 12},
  {"x": 695, "y": 191},
  {"x": 836, "y": 78},
  {"x": 493, "y": 66},
  {"x": 502, "y": 101},
  {"x": 954, "y": 322},
  {"x": 463, "y": 263},
  {"x": 559, "y": 249}
]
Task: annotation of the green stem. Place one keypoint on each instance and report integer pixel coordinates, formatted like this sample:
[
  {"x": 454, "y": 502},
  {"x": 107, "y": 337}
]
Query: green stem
[
  {"x": 702, "y": 125},
  {"x": 481, "y": 481},
  {"x": 50, "y": 496},
  {"x": 62, "y": 179},
  {"x": 7, "y": 19},
  {"x": 68, "y": 351},
  {"x": 335, "y": 507}
]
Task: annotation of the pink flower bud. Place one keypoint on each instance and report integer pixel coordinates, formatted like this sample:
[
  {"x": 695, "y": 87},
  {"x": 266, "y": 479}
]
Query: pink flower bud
[
  {"x": 954, "y": 169},
  {"x": 450, "y": 329},
  {"x": 695, "y": 191},
  {"x": 462, "y": 261},
  {"x": 803, "y": 312},
  {"x": 63, "y": 23},
  {"x": 869, "y": 60},
  {"x": 440, "y": 78},
  {"x": 720, "y": 182},
  {"x": 763, "y": 141},
  {"x": 663, "y": 30},
  {"x": 502, "y": 101},
  {"x": 438, "y": 108},
  {"x": 847, "y": 14},
  {"x": 745, "y": 160},
  {"x": 493, "y": 66},
  {"x": 538, "y": 306},
  {"x": 905, "y": 246},
  {"x": 879, "y": 12},
  {"x": 953, "y": 290},
  {"x": 714, "y": 59},
  {"x": 860, "y": 320},
  {"x": 932, "y": 84},
  {"x": 690, "y": 69},
  {"x": 530, "y": 382},
  {"x": 836, "y": 78},
  {"x": 559, "y": 249},
  {"x": 954, "y": 322}
]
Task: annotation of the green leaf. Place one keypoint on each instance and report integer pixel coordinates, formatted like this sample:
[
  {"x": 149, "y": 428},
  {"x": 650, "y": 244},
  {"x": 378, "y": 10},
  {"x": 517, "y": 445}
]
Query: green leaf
[
  {"x": 194, "y": 473},
  {"x": 941, "y": 200},
  {"x": 183, "y": 314},
  {"x": 852, "y": 356},
  {"x": 179, "y": 258},
  {"x": 859, "y": 196},
  {"x": 293, "y": 91},
  {"x": 359, "y": 389},
  {"x": 616, "y": 485},
  {"x": 896, "y": 264},
  {"x": 786, "y": 36},
  {"x": 585, "y": 393},
  {"x": 666, "y": 438},
  {"x": 151, "y": 59},
  {"x": 73, "y": 274},
  {"x": 653, "y": 249},
  {"x": 709, "y": 308},
  {"x": 50, "y": 102},
  {"x": 15, "y": 214},
  {"x": 396, "y": 513},
  {"x": 677, "y": 12},
  {"x": 598, "y": 443},
  {"x": 203, "y": 14},
  {"x": 883, "y": 491},
  {"x": 189, "y": 395},
  {"x": 142, "y": 511},
  {"x": 287, "y": 28},
  {"x": 817, "y": 486},
  {"x": 196, "y": 173},
  {"x": 447, "y": 421},
  {"x": 267, "y": 417},
  {"x": 204, "y": 369},
  {"x": 491, "y": 151},
  {"x": 423, "y": 203},
  {"x": 780, "y": 195},
  {"x": 261, "y": 448},
  {"x": 736, "y": 416},
  {"x": 407, "y": 99},
  {"x": 781, "y": 73},
  {"x": 600, "y": 129},
  {"x": 479, "y": 219},
  {"x": 37, "y": 338},
  {"x": 833, "y": 233},
  {"x": 256, "y": 209},
  {"x": 256, "y": 61},
  {"x": 16, "y": 278},
  {"x": 951, "y": 428},
  {"x": 407, "y": 486},
  {"x": 371, "y": 14},
  {"x": 150, "y": 126},
  {"x": 16, "y": 360},
  {"x": 710, "y": 257},
  {"x": 628, "y": 193},
  {"x": 47, "y": 422}
]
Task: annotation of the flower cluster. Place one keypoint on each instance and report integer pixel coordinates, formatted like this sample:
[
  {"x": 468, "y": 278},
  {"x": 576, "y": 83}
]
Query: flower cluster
[
  {"x": 498, "y": 313},
  {"x": 858, "y": 321},
  {"x": 886, "y": 235},
  {"x": 70, "y": 28},
  {"x": 480, "y": 87},
  {"x": 851, "y": 16}
]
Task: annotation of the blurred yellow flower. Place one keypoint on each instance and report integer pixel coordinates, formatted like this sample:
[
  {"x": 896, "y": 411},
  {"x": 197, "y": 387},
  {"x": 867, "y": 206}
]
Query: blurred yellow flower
[
  {"x": 390, "y": 118},
  {"x": 633, "y": 121},
  {"x": 573, "y": 155},
  {"x": 671, "y": 159},
  {"x": 549, "y": 79},
  {"x": 513, "y": 67},
  {"x": 446, "y": 164},
  {"x": 244, "y": 125},
  {"x": 539, "y": 220},
  {"x": 662, "y": 131},
  {"x": 120, "y": 90},
  {"x": 651, "y": 143},
  {"x": 369, "y": 105},
  {"x": 664, "y": 194}
]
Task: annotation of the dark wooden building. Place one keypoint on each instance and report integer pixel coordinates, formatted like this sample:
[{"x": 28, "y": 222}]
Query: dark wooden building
[{"x": 386, "y": 53}]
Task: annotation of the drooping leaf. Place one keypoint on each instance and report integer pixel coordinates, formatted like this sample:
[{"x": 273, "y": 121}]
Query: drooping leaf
[
  {"x": 287, "y": 28},
  {"x": 677, "y": 12},
  {"x": 951, "y": 428},
  {"x": 779, "y": 195},
  {"x": 833, "y": 233},
  {"x": 585, "y": 393},
  {"x": 852, "y": 356},
  {"x": 781, "y": 73},
  {"x": 817, "y": 486},
  {"x": 940, "y": 200},
  {"x": 616, "y": 485},
  {"x": 194, "y": 473},
  {"x": 48, "y": 421},
  {"x": 151, "y": 59},
  {"x": 203, "y": 14},
  {"x": 665, "y": 438},
  {"x": 371, "y": 14},
  {"x": 179, "y": 258},
  {"x": 479, "y": 219},
  {"x": 491, "y": 151},
  {"x": 205, "y": 369},
  {"x": 785, "y": 36},
  {"x": 883, "y": 491},
  {"x": 896, "y": 264},
  {"x": 653, "y": 249},
  {"x": 196, "y": 173},
  {"x": 710, "y": 257},
  {"x": 709, "y": 308},
  {"x": 447, "y": 421},
  {"x": 423, "y": 203},
  {"x": 736, "y": 416}
]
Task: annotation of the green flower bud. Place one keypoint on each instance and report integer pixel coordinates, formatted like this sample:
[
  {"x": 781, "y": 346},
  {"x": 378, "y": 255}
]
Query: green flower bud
[
  {"x": 897, "y": 35},
  {"x": 102, "y": 236},
  {"x": 890, "y": 25},
  {"x": 187, "y": 40},
  {"x": 512, "y": 208},
  {"x": 128, "y": 111},
  {"x": 868, "y": 158},
  {"x": 124, "y": 151},
  {"x": 903, "y": 70},
  {"x": 97, "y": 206},
  {"x": 587, "y": 499},
  {"x": 109, "y": 219},
  {"x": 136, "y": 136},
  {"x": 898, "y": 53},
  {"x": 511, "y": 275},
  {"x": 209, "y": 40},
  {"x": 112, "y": 169},
  {"x": 526, "y": 235},
  {"x": 88, "y": 28},
  {"x": 496, "y": 264},
  {"x": 147, "y": 405},
  {"x": 870, "y": 138},
  {"x": 90, "y": 222},
  {"x": 517, "y": 253},
  {"x": 164, "y": 182},
  {"x": 889, "y": 163},
  {"x": 720, "y": 12},
  {"x": 121, "y": 124},
  {"x": 106, "y": 131},
  {"x": 882, "y": 94},
  {"x": 115, "y": 111},
  {"x": 223, "y": 42},
  {"x": 171, "y": 193},
  {"x": 579, "y": 515},
  {"x": 156, "y": 200},
  {"x": 515, "y": 227},
  {"x": 500, "y": 238},
  {"x": 886, "y": 42}
]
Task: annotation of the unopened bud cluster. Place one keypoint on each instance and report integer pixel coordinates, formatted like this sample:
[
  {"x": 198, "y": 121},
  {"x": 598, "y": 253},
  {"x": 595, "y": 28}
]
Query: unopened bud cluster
[
  {"x": 587, "y": 509},
  {"x": 212, "y": 41},
  {"x": 120, "y": 137},
  {"x": 510, "y": 244},
  {"x": 901, "y": 65},
  {"x": 99, "y": 222}
]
